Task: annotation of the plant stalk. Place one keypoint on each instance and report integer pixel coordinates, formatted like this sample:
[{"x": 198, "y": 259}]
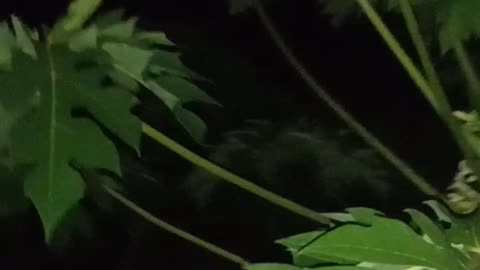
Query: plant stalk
[
  {"x": 401, "y": 55},
  {"x": 232, "y": 178},
  {"x": 441, "y": 105},
  {"x": 436, "y": 86},
  {"x": 222, "y": 173},
  {"x": 369, "y": 138},
  {"x": 176, "y": 231},
  {"x": 470, "y": 75},
  {"x": 422, "y": 51}
]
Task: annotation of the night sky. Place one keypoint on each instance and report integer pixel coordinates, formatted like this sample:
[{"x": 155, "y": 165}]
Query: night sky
[{"x": 253, "y": 80}]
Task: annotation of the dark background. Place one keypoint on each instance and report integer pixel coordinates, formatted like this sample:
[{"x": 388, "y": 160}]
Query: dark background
[{"x": 252, "y": 80}]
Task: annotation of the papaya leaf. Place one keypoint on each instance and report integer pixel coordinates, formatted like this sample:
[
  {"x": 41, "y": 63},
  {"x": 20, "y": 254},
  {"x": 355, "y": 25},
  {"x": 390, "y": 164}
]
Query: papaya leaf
[
  {"x": 464, "y": 230},
  {"x": 49, "y": 137},
  {"x": 385, "y": 241},
  {"x": 6, "y": 44},
  {"x": 459, "y": 21},
  {"x": 84, "y": 39},
  {"x": 133, "y": 62},
  {"x": 429, "y": 228},
  {"x": 156, "y": 38},
  {"x": 122, "y": 30},
  {"x": 23, "y": 37},
  {"x": 109, "y": 18},
  {"x": 170, "y": 63},
  {"x": 382, "y": 266},
  {"x": 279, "y": 266},
  {"x": 296, "y": 242},
  {"x": 363, "y": 215},
  {"x": 79, "y": 11},
  {"x": 192, "y": 123},
  {"x": 185, "y": 90}
]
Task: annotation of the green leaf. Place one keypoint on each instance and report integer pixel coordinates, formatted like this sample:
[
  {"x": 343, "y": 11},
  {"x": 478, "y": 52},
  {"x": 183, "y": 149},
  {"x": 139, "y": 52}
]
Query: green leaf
[
  {"x": 386, "y": 241},
  {"x": 443, "y": 214},
  {"x": 185, "y": 90},
  {"x": 191, "y": 122},
  {"x": 79, "y": 11},
  {"x": 271, "y": 266},
  {"x": 464, "y": 230},
  {"x": 156, "y": 38},
  {"x": 296, "y": 242},
  {"x": 130, "y": 59},
  {"x": 428, "y": 227},
  {"x": 170, "y": 100},
  {"x": 109, "y": 18},
  {"x": 381, "y": 266},
  {"x": 50, "y": 137},
  {"x": 24, "y": 40},
  {"x": 120, "y": 30},
  {"x": 459, "y": 21},
  {"x": 123, "y": 81},
  {"x": 84, "y": 40},
  {"x": 363, "y": 215},
  {"x": 195, "y": 126},
  {"x": 6, "y": 44},
  {"x": 133, "y": 62},
  {"x": 279, "y": 266},
  {"x": 169, "y": 63}
]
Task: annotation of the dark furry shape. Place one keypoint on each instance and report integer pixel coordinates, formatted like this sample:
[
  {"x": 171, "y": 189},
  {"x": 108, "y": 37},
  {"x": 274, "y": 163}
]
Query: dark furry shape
[{"x": 324, "y": 170}]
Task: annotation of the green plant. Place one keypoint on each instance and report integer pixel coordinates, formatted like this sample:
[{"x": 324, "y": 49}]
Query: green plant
[
  {"x": 368, "y": 247},
  {"x": 60, "y": 128},
  {"x": 369, "y": 240},
  {"x": 83, "y": 78},
  {"x": 57, "y": 130}
]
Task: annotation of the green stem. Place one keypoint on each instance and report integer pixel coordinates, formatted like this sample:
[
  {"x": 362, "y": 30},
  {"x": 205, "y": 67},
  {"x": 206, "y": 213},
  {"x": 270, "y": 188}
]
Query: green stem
[
  {"x": 232, "y": 178},
  {"x": 369, "y": 138},
  {"x": 222, "y": 173},
  {"x": 401, "y": 55},
  {"x": 174, "y": 230},
  {"x": 437, "y": 88},
  {"x": 425, "y": 59},
  {"x": 470, "y": 75}
]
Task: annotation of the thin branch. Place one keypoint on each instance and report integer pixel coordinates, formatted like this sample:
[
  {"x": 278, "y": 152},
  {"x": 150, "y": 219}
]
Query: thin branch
[
  {"x": 222, "y": 173},
  {"x": 436, "y": 85},
  {"x": 232, "y": 178},
  {"x": 470, "y": 75},
  {"x": 401, "y": 55},
  {"x": 369, "y": 138},
  {"x": 176, "y": 231},
  {"x": 425, "y": 59}
]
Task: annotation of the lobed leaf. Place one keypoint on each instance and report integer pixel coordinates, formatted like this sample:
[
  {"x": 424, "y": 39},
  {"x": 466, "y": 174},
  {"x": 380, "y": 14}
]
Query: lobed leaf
[
  {"x": 49, "y": 136},
  {"x": 385, "y": 241}
]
